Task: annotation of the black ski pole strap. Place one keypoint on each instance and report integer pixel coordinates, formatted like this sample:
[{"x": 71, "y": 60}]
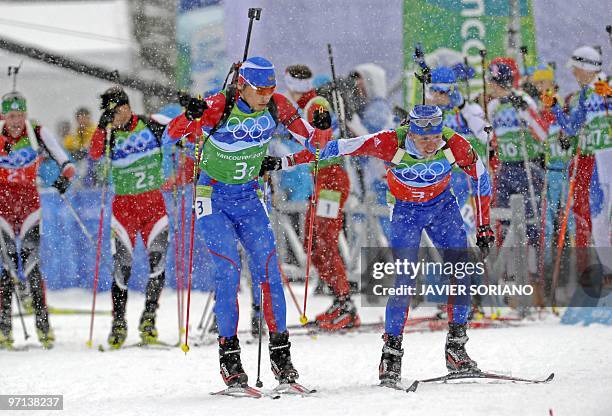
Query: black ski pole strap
[{"x": 291, "y": 119}]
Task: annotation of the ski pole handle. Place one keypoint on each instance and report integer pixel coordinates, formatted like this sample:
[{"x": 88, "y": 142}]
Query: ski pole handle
[
  {"x": 523, "y": 50},
  {"x": 254, "y": 14}
]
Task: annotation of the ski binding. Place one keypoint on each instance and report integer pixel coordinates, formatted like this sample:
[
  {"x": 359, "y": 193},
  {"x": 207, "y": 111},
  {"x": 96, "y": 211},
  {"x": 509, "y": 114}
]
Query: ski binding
[
  {"x": 244, "y": 391},
  {"x": 293, "y": 388}
]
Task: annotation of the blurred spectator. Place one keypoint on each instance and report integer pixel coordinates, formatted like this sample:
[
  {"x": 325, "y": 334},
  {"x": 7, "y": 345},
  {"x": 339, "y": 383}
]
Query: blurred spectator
[
  {"x": 374, "y": 113},
  {"x": 62, "y": 128},
  {"x": 77, "y": 144}
]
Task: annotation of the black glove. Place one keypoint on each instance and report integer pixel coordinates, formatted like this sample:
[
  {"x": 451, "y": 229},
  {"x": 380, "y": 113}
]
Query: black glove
[
  {"x": 195, "y": 108},
  {"x": 183, "y": 98},
  {"x": 106, "y": 118},
  {"x": 518, "y": 102},
  {"x": 62, "y": 184},
  {"x": 531, "y": 89},
  {"x": 485, "y": 239},
  {"x": 565, "y": 141},
  {"x": 321, "y": 119},
  {"x": 270, "y": 163}
]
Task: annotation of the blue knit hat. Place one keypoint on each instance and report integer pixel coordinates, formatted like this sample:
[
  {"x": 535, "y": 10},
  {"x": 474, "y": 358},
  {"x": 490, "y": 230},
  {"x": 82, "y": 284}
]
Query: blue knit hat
[
  {"x": 258, "y": 72},
  {"x": 443, "y": 79},
  {"x": 426, "y": 119}
]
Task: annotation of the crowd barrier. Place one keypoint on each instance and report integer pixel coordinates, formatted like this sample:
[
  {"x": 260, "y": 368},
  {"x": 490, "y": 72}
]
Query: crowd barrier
[{"x": 68, "y": 257}]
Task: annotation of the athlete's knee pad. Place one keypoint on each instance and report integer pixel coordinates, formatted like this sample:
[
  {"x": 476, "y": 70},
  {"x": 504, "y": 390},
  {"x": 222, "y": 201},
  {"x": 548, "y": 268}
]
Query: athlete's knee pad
[
  {"x": 7, "y": 285},
  {"x": 8, "y": 248},
  {"x": 30, "y": 249},
  {"x": 122, "y": 261},
  {"x": 158, "y": 246}
]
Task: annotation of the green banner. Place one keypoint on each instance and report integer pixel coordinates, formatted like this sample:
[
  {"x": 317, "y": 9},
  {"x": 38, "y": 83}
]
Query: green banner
[{"x": 452, "y": 29}]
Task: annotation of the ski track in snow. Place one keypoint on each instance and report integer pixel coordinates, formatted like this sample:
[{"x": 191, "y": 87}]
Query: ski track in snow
[{"x": 343, "y": 368}]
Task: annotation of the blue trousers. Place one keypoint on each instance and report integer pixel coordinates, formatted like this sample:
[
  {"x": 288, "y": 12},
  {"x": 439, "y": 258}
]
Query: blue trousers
[
  {"x": 556, "y": 194},
  {"x": 441, "y": 219},
  {"x": 239, "y": 216}
]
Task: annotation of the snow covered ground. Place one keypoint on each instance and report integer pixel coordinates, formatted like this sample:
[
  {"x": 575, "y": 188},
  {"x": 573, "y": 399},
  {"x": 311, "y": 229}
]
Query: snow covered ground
[{"x": 342, "y": 367}]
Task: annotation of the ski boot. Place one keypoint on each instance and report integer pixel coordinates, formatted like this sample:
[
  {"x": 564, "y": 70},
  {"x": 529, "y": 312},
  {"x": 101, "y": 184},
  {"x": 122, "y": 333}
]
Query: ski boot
[
  {"x": 229, "y": 360},
  {"x": 46, "y": 338},
  {"x": 457, "y": 359},
  {"x": 6, "y": 340},
  {"x": 148, "y": 332},
  {"x": 280, "y": 358},
  {"x": 118, "y": 333},
  {"x": 342, "y": 314},
  {"x": 390, "y": 368},
  {"x": 330, "y": 313}
]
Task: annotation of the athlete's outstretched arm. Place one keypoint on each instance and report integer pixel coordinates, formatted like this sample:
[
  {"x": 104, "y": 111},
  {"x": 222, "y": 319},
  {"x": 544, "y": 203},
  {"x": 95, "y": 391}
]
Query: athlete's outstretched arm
[
  {"x": 383, "y": 145},
  {"x": 300, "y": 129},
  {"x": 51, "y": 143}
]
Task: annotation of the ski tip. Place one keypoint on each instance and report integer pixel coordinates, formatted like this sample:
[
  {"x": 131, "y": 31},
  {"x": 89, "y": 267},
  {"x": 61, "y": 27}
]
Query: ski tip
[
  {"x": 549, "y": 378},
  {"x": 413, "y": 387}
]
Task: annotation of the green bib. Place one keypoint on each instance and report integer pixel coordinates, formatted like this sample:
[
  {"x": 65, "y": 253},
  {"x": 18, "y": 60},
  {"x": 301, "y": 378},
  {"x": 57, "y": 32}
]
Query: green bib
[{"x": 136, "y": 161}]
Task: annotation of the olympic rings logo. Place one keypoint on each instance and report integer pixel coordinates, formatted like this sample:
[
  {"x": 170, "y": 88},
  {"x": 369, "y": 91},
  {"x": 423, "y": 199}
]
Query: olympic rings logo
[
  {"x": 19, "y": 158},
  {"x": 423, "y": 171},
  {"x": 137, "y": 142},
  {"x": 251, "y": 127},
  {"x": 506, "y": 118}
]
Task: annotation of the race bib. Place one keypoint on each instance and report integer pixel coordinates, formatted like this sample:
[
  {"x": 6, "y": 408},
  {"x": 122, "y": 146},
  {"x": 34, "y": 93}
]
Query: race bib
[
  {"x": 203, "y": 202},
  {"x": 329, "y": 204}
]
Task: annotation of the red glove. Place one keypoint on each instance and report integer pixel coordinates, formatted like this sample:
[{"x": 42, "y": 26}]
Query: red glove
[
  {"x": 485, "y": 239},
  {"x": 320, "y": 119},
  {"x": 63, "y": 181},
  {"x": 69, "y": 171}
]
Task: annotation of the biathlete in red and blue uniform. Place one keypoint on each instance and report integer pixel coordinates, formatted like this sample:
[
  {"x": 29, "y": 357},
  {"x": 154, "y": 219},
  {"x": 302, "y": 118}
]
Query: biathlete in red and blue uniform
[
  {"x": 420, "y": 156},
  {"x": 228, "y": 207}
]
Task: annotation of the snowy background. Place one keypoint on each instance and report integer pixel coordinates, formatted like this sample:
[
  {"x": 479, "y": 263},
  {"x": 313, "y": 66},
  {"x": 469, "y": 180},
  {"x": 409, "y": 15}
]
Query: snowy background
[{"x": 342, "y": 367}]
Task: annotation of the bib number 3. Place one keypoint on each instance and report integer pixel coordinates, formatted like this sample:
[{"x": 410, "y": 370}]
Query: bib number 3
[
  {"x": 203, "y": 202},
  {"x": 241, "y": 171}
]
